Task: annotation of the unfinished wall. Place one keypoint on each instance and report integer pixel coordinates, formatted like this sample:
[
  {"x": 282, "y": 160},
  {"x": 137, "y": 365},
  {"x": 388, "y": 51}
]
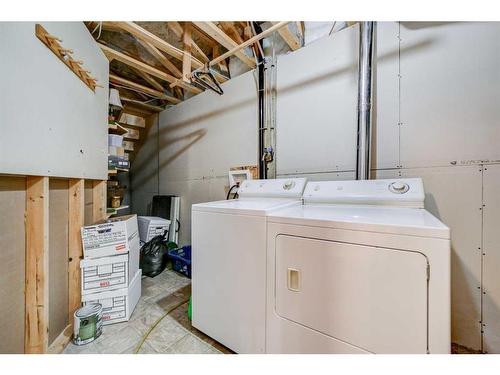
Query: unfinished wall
[
  {"x": 12, "y": 241},
  {"x": 13, "y": 254},
  {"x": 65, "y": 128},
  {"x": 436, "y": 117},
  {"x": 58, "y": 257},
  {"x": 198, "y": 141}
]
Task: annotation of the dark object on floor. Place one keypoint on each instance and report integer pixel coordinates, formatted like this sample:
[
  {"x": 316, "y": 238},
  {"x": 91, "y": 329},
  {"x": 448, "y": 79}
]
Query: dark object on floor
[
  {"x": 167, "y": 207},
  {"x": 154, "y": 256},
  {"x": 181, "y": 260}
]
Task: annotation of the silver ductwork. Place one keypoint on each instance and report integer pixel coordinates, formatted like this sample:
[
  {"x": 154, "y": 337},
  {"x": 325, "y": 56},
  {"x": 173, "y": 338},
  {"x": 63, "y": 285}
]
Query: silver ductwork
[{"x": 365, "y": 85}]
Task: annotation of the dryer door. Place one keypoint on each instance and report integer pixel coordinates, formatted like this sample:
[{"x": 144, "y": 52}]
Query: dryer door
[{"x": 370, "y": 297}]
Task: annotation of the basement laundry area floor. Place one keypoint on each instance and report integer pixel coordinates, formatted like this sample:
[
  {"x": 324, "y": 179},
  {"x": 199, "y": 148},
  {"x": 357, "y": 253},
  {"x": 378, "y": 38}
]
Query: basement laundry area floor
[{"x": 173, "y": 334}]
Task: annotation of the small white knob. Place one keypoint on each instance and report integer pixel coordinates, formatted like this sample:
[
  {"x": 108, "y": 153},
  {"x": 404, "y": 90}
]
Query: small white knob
[
  {"x": 288, "y": 185},
  {"x": 399, "y": 187}
]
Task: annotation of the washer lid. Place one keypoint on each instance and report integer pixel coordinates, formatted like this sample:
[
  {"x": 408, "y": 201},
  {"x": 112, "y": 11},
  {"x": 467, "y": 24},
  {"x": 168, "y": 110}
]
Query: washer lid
[
  {"x": 381, "y": 219},
  {"x": 247, "y": 206}
]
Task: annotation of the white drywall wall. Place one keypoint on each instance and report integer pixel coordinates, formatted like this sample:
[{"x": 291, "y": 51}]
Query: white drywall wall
[
  {"x": 51, "y": 123},
  {"x": 316, "y": 106},
  {"x": 199, "y": 140}
]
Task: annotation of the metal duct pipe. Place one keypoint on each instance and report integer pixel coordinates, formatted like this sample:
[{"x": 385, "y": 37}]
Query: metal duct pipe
[
  {"x": 365, "y": 85},
  {"x": 261, "y": 68}
]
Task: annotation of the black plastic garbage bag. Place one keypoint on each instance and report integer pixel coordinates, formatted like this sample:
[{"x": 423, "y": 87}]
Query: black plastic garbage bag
[{"x": 154, "y": 256}]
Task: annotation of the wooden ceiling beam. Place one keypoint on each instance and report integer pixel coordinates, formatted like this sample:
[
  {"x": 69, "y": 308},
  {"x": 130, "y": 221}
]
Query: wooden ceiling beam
[
  {"x": 153, "y": 82},
  {"x": 250, "y": 41},
  {"x": 152, "y": 108},
  {"x": 161, "y": 58},
  {"x": 187, "y": 60},
  {"x": 144, "y": 89},
  {"x": 231, "y": 30},
  {"x": 222, "y": 38},
  {"x": 290, "y": 39},
  {"x": 144, "y": 67},
  {"x": 222, "y": 65},
  {"x": 159, "y": 43},
  {"x": 197, "y": 51}
]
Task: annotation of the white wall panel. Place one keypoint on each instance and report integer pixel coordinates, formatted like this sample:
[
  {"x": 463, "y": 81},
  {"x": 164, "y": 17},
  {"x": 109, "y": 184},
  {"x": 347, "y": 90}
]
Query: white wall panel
[
  {"x": 51, "y": 123},
  {"x": 454, "y": 195},
  {"x": 385, "y": 132},
  {"x": 316, "y": 105},
  {"x": 450, "y": 87},
  {"x": 207, "y": 134},
  {"x": 491, "y": 259}
]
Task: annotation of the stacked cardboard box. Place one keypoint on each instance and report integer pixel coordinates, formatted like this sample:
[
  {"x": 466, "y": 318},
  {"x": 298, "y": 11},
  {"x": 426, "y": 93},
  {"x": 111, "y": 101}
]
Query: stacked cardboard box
[
  {"x": 152, "y": 226},
  {"x": 110, "y": 268}
]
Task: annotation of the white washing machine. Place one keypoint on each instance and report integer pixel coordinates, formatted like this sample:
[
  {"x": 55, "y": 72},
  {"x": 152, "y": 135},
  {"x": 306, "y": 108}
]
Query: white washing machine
[
  {"x": 360, "y": 267},
  {"x": 229, "y": 262}
]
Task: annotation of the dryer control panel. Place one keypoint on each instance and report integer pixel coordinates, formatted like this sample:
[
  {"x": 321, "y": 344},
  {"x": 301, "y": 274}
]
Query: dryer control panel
[
  {"x": 275, "y": 188},
  {"x": 403, "y": 192}
]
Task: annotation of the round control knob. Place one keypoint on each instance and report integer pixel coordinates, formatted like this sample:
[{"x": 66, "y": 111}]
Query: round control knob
[
  {"x": 288, "y": 185},
  {"x": 399, "y": 187}
]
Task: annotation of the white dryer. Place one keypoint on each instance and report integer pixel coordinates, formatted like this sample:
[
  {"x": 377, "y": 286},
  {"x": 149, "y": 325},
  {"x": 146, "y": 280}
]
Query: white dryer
[
  {"x": 360, "y": 267},
  {"x": 229, "y": 262}
]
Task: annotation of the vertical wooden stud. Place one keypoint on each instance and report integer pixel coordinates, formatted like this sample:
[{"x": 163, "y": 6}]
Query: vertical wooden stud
[
  {"x": 76, "y": 207},
  {"x": 186, "y": 57},
  {"x": 99, "y": 200},
  {"x": 36, "y": 327}
]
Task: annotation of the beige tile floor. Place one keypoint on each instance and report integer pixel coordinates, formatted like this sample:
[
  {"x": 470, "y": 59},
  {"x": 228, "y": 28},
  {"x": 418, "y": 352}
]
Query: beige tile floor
[{"x": 173, "y": 335}]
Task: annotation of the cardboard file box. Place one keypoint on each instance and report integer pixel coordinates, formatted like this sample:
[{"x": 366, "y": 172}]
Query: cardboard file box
[
  {"x": 117, "y": 305},
  {"x": 103, "y": 274},
  {"x": 109, "y": 237}
]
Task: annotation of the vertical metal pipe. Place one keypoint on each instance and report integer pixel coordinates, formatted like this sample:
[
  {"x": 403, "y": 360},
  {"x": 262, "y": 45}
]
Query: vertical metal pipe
[
  {"x": 261, "y": 68},
  {"x": 365, "y": 85}
]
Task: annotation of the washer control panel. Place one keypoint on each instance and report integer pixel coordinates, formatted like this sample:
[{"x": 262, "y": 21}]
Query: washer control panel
[
  {"x": 275, "y": 188},
  {"x": 405, "y": 192},
  {"x": 399, "y": 187}
]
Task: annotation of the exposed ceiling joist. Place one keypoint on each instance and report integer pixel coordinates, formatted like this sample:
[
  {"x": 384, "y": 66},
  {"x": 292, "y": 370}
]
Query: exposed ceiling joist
[
  {"x": 144, "y": 67},
  {"x": 153, "y": 82},
  {"x": 197, "y": 51},
  {"x": 290, "y": 39},
  {"x": 250, "y": 41},
  {"x": 222, "y": 65},
  {"x": 231, "y": 30},
  {"x": 221, "y": 37},
  {"x": 161, "y": 58},
  {"x": 159, "y": 43},
  {"x": 187, "y": 60},
  {"x": 150, "y": 107},
  {"x": 144, "y": 89}
]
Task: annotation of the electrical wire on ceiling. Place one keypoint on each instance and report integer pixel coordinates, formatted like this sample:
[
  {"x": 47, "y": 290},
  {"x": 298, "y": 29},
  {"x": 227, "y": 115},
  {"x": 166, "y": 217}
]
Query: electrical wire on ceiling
[
  {"x": 99, "y": 26},
  {"x": 132, "y": 89}
]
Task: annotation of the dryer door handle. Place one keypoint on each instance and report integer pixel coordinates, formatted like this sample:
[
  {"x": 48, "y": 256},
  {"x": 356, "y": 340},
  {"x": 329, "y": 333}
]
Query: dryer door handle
[{"x": 293, "y": 279}]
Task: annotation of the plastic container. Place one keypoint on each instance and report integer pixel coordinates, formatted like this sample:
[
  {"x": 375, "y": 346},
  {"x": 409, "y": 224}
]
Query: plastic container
[
  {"x": 181, "y": 260},
  {"x": 115, "y": 140}
]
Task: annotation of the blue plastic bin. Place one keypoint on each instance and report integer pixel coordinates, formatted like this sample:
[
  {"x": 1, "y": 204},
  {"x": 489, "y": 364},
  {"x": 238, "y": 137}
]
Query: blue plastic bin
[{"x": 181, "y": 260}]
